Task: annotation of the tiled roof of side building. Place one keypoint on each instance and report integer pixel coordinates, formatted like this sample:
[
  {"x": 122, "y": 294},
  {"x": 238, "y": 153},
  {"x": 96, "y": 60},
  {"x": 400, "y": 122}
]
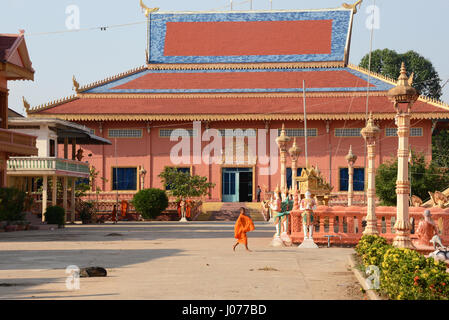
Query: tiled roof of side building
[{"x": 6, "y": 42}]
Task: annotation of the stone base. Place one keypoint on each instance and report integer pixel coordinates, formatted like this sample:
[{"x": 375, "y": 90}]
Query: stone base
[
  {"x": 277, "y": 242},
  {"x": 183, "y": 220},
  {"x": 308, "y": 244},
  {"x": 286, "y": 239}
]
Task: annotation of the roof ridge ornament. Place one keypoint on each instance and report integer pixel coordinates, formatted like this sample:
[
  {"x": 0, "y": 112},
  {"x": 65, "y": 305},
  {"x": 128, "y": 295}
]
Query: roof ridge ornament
[
  {"x": 147, "y": 10},
  {"x": 76, "y": 84},
  {"x": 353, "y": 6},
  {"x": 26, "y": 105}
]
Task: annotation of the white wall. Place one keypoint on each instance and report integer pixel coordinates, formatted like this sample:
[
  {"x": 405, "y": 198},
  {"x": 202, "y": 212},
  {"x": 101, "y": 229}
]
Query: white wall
[{"x": 44, "y": 134}]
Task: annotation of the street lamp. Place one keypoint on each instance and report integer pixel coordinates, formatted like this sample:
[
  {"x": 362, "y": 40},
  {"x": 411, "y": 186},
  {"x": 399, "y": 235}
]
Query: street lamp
[
  {"x": 370, "y": 134},
  {"x": 351, "y": 159},
  {"x": 403, "y": 96}
]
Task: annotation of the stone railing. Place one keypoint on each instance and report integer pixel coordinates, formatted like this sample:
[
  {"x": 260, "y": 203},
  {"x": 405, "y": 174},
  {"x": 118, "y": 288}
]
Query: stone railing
[
  {"x": 346, "y": 223},
  {"x": 35, "y": 164}
]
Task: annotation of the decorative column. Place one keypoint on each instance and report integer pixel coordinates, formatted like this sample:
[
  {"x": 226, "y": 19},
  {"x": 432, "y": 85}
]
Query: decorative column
[
  {"x": 294, "y": 152},
  {"x": 370, "y": 134},
  {"x": 282, "y": 142},
  {"x": 403, "y": 96},
  {"x": 351, "y": 158}
]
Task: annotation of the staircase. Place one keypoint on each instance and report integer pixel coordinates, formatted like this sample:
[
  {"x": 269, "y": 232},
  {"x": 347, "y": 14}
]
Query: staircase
[
  {"x": 34, "y": 220},
  {"x": 229, "y": 211}
]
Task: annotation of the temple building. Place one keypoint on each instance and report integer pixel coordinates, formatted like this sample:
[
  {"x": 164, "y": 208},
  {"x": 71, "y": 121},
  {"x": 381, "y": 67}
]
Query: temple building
[
  {"x": 15, "y": 64},
  {"x": 240, "y": 70}
]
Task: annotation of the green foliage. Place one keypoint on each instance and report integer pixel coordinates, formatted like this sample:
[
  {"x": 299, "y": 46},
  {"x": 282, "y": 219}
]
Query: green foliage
[
  {"x": 55, "y": 215},
  {"x": 183, "y": 185},
  {"x": 11, "y": 204},
  {"x": 404, "y": 274},
  {"x": 150, "y": 202},
  {"x": 425, "y": 177},
  {"x": 388, "y": 63},
  {"x": 440, "y": 149},
  {"x": 86, "y": 211},
  {"x": 371, "y": 249}
]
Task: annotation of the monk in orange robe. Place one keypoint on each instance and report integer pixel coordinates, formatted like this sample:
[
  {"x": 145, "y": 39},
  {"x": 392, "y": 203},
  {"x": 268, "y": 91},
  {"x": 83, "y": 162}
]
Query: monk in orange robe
[{"x": 243, "y": 225}]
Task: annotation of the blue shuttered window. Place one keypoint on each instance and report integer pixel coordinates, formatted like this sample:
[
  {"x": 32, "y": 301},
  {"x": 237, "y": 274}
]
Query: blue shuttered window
[
  {"x": 359, "y": 179},
  {"x": 124, "y": 179}
]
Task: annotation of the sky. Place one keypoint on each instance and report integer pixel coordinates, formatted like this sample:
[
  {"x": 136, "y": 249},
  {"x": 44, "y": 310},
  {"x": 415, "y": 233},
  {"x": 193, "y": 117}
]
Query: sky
[{"x": 93, "y": 55}]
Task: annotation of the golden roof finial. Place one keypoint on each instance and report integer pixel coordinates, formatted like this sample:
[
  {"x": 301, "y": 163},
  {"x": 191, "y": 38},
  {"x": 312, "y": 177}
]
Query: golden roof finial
[
  {"x": 353, "y": 6},
  {"x": 146, "y": 9},
  {"x": 76, "y": 85},
  {"x": 26, "y": 105}
]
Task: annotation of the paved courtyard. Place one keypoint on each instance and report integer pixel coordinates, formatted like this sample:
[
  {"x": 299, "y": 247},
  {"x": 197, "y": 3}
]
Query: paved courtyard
[{"x": 166, "y": 260}]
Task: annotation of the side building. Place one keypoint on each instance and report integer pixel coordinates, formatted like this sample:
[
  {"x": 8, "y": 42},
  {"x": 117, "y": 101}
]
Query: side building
[{"x": 15, "y": 64}]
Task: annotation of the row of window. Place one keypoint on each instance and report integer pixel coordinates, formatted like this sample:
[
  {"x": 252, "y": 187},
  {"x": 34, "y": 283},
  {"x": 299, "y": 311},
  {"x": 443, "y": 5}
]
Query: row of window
[
  {"x": 125, "y": 179},
  {"x": 313, "y": 132}
]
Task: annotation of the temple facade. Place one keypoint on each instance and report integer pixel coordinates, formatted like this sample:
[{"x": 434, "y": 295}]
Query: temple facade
[{"x": 240, "y": 70}]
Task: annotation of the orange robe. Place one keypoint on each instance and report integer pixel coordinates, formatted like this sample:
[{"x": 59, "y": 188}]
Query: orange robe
[
  {"x": 243, "y": 225},
  {"x": 188, "y": 208},
  {"x": 124, "y": 208}
]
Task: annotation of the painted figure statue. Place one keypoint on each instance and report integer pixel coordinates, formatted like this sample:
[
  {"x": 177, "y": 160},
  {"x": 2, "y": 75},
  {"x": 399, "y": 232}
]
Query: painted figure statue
[
  {"x": 307, "y": 206},
  {"x": 427, "y": 229},
  {"x": 276, "y": 208}
]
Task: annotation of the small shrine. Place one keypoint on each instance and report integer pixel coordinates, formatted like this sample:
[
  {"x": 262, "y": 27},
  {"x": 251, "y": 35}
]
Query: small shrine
[{"x": 312, "y": 180}]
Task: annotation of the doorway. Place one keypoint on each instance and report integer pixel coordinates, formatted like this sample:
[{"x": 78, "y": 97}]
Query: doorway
[{"x": 237, "y": 185}]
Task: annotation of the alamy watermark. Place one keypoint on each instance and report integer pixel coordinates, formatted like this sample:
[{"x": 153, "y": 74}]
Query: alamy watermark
[
  {"x": 373, "y": 19},
  {"x": 72, "y": 281},
  {"x": 72, "y": 21},
  {"x": 235, "y": 151}
]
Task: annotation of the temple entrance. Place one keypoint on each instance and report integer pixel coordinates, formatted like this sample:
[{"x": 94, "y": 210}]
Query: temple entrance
[{"x": 237, "y": 185}]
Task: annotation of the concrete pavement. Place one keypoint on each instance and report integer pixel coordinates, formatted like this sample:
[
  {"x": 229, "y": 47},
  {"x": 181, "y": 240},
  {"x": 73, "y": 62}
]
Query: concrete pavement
[{"x": 169, "y": 260}]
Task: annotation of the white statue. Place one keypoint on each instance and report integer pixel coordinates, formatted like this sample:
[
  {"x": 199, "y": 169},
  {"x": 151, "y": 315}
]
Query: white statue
[{"x": 307, "y": 205}]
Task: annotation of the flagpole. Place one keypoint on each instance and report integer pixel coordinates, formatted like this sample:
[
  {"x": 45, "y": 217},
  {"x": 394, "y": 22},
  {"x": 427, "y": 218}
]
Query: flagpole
[{"x": 305, "y": 122}]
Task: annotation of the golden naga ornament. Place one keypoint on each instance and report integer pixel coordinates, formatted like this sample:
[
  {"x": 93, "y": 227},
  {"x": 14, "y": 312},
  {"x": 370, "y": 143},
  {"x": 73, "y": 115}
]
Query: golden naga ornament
[
  {"x": 147, "y": 10},
  {"x": 353, "y": 6}
]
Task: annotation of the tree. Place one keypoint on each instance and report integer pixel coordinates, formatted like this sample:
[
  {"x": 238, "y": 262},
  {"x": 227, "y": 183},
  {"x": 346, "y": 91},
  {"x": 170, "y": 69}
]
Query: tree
[
  {"x": 184, "y": 185},
  {"x": 440, "y": 149},
  {"x": 388, "y": 63},
  {"x": 425, "y": 177},
  {"x": 150, "y": 202}
]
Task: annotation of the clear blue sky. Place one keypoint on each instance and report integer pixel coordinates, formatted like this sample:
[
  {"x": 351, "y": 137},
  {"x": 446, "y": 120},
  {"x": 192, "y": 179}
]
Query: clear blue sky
[{"x": 93, "y": 55}]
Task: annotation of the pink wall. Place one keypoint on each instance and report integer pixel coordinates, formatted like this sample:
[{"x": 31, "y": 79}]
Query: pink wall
[{"x": 327, "y": 151}]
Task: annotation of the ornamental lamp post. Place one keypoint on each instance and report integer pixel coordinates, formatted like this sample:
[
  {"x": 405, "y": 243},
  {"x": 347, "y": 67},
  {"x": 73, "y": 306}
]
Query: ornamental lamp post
[
  {"x": 282, "y": 142},
  {"x": 370, "y": 134},
  {"x": 403, "y": 96},
  {"x": 294, "y": 153},
  {"x": 351, "y": 159}
]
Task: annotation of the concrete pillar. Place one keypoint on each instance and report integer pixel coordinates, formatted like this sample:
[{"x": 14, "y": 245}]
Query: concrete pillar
[
  {"x": 402, "y": 225},
  {"x": 64, "y": 196},
  {"x": 350, "y": 185},
  {"x": 351, "y": 159},
  {"x": 72, "y": 206},
  {"x": 73, "y": 148},
  {"x": 370, "y": 134},
  {"x": 66, "y": 148},
  {"x": 54, "y": 190},
  {"x": 44, "y": 196},
  {"x": 371, "y": 219}
]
